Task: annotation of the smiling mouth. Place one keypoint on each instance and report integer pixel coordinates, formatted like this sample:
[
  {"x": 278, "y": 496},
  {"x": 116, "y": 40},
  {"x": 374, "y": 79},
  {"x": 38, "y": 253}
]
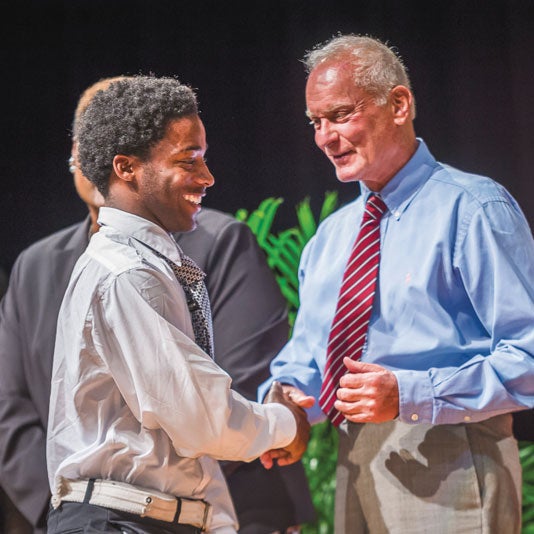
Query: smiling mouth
[
  {"x": 338, "y": 157},
  {"x": 194, "y": 199}
]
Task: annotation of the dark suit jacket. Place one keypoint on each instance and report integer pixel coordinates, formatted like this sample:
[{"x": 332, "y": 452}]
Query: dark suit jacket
[
  {"x": 28, "y": 314},
  {"x": 249, "y": 327}
]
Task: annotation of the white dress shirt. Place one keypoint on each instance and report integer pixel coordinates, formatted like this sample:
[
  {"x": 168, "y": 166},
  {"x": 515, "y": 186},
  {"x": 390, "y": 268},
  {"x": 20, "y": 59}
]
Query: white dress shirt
[{"x": 134, "y": 399}]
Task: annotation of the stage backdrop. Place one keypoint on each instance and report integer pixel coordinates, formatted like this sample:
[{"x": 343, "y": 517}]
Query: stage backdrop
[{"x": 471, "y": 65}]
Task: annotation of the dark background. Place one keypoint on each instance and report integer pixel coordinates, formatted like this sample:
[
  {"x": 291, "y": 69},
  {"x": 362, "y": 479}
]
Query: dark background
[{"x": 471, "y": 65}]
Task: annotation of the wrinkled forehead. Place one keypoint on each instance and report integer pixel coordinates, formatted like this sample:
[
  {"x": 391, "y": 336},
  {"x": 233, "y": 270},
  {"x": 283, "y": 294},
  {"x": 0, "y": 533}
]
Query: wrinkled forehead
[
  {"x": 329, "y": 74},
  {"x": 333, "y": 68},
  {"x": 330, "y": 84}
]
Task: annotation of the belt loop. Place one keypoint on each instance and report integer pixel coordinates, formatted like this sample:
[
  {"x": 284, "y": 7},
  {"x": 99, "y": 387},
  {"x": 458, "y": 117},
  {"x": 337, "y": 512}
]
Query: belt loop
[
  {"x": 178, "y": 510},
  {"x": 207, "y": 510},
  {"x": 89, "y": 490}
]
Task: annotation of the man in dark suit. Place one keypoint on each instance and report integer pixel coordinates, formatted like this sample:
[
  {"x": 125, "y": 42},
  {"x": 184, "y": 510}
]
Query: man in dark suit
[{"x": 249, "y": 323}]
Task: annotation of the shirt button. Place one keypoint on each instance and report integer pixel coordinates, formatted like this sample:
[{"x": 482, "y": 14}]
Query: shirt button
[
  {"x": 414, "y": 417},
  {"x": 467, "y": 418}
]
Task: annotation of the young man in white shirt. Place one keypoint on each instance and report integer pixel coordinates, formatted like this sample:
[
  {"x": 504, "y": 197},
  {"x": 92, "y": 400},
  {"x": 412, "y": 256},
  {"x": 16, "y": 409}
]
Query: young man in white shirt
[{"x": 139, "y": 412}]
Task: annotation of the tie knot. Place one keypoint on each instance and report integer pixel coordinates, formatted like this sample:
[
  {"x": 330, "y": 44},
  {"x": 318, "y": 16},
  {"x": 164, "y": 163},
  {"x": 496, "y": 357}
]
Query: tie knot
[{"x": 374, "y": 208}]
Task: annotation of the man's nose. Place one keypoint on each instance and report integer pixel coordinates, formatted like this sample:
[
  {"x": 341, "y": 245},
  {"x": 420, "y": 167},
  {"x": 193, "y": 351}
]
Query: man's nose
[
  {"x": 204, "y": 176},
  {"x": 326, "y": 134}
]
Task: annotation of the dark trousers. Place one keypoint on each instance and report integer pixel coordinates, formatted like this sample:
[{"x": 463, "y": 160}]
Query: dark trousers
[{"x": 73, "y": 517}]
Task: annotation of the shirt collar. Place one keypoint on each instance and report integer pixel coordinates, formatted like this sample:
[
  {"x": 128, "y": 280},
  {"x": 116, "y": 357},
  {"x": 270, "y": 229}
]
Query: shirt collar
[
  {"x": 404, "y": 186},
  {"x": 142, "y": 230}
]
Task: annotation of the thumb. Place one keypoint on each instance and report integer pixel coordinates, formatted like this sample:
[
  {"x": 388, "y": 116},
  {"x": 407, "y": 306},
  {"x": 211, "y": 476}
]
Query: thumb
[
  {"x": 356, "y": 366},
  {"x": 299, "y": 397}
]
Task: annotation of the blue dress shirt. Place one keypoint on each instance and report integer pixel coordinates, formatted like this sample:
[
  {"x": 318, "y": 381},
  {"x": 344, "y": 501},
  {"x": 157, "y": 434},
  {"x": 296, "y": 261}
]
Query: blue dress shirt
[{"x": 453, "y": 316}]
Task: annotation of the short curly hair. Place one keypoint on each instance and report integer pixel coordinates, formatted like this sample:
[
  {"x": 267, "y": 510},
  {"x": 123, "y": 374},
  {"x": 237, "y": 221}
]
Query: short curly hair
[
  {"x": 86, "y": 97},
  {"x": 129, "y": 117}
]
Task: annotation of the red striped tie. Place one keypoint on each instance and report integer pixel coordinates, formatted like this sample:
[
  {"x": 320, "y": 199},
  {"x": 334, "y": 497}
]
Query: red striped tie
[{"x": 354, "y": 305}]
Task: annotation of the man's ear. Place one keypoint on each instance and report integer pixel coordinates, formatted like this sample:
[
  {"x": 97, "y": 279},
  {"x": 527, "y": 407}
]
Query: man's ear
[
  {"x": 401, "y": 99},
  {"x": 124, "y": 167}
]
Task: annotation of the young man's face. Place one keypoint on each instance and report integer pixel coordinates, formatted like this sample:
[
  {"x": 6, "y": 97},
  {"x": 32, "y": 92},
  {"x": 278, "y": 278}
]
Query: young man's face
[{"x": 173, "y": 181}]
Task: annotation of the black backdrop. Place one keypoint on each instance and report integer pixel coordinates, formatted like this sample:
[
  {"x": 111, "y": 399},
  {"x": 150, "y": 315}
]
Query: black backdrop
[{"x": 471, "y": 64}]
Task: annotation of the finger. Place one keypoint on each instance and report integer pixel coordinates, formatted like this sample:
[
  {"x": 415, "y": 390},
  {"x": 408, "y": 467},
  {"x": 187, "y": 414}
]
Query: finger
[
  {"x": 300, "y": 398},
  {"x": 278, "y": 453},
  {"x": 366, "y": 411},
  {"x": 286, "y": 461},
  {"x": 357, "y": 366},
  {"x": 353, "y": 380},
  {"x": 354, "y": 412},
  {"x": 350, "y": 394},
  {"x": 348, "y": 408},
  {"x": 266, "y": 460},
  {"x": 357, "y": 418}
]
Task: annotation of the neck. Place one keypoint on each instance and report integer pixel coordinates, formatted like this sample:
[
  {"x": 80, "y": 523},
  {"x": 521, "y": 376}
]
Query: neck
[
  {"x": 397, "y": 159},
  {"x": 93, "y": 213}
]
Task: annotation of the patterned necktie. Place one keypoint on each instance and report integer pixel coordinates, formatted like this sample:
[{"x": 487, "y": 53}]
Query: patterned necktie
[
  {"x": 191, "y": 278},
  {"x": 355, "y": 302}
]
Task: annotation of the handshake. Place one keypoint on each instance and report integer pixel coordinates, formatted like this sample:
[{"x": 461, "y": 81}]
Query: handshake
[{"x": 294, "y": 399}]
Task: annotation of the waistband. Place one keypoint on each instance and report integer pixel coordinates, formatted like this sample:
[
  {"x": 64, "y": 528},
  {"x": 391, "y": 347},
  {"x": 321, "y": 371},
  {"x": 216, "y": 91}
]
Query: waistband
[{"x": 135, "y": 500}]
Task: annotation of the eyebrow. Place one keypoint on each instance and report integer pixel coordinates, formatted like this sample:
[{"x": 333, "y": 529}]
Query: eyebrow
[
  {"x": 191, "y": 148},
  {"x": 337, "y": 107},
  {"x": 310, "y": 115}
]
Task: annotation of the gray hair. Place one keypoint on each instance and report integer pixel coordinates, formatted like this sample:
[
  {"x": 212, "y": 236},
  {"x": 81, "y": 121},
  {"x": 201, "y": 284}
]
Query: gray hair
[{"x": 377, "y": 67}]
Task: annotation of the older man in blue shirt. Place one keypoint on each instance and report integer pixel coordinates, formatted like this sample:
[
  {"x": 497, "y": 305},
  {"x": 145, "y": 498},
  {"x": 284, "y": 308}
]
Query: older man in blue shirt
[{"x": 447, "y": 352}]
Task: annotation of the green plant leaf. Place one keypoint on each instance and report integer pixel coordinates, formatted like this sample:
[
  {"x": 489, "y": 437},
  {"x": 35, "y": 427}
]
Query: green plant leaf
[
  {"x": 241, "y": 215},
  {"x": 261, "y": 219},
  {"x": 306, "y": 220},
  {"x": 330, "y": 204},
  {"x": 289, "y": 293}
]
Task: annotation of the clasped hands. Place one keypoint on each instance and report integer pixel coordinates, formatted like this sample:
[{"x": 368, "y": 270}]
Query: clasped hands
[
  {"x": 368, "y": 393},
  {"x": 296, "y": 400}
]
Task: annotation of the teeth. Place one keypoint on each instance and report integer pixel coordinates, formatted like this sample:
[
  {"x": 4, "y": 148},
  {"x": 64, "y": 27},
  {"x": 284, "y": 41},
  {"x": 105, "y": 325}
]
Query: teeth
[{"x": 195, "y": 199}]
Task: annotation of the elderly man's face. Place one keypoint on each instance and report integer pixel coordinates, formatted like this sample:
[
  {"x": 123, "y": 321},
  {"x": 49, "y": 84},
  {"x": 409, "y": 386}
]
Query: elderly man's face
[{"x": 357, "y": 136}]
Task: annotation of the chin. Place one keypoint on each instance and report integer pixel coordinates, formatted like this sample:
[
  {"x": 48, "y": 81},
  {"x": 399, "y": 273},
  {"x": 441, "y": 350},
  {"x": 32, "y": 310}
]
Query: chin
[
  {"x": 346, "y": 177},
  {"x": 188, "y": 227}
]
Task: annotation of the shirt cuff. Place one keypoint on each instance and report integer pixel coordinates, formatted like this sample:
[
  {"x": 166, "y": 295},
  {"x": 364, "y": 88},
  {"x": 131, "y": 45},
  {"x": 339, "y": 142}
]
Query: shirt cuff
[
  {"x": 416, "y": 396},
  {"x": 282, "y": 424}
]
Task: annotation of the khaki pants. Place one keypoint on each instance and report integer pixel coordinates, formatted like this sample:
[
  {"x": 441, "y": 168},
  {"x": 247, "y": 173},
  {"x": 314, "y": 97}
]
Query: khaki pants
[{"x": 438, "y": 479}]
